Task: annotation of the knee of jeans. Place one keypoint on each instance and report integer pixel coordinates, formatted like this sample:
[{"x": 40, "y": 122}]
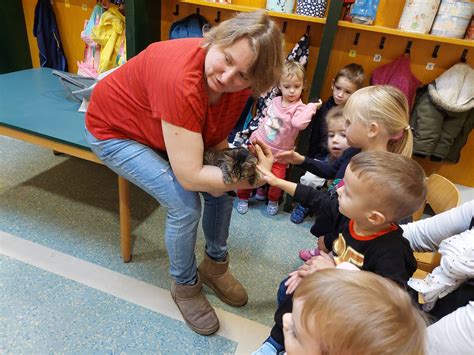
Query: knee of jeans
[{"x": 190, "y": 211}]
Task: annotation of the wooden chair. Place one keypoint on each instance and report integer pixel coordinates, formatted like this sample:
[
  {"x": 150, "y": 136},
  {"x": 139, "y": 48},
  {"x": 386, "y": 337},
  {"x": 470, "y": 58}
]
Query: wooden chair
[{"x": 442, "y": 195}]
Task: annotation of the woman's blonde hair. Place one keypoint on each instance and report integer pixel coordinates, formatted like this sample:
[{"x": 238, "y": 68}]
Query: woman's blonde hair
[
  {"x": 387, "y": 106},
  {"x": 265, "y": 40},
  {"x": 358, "y": 312}
]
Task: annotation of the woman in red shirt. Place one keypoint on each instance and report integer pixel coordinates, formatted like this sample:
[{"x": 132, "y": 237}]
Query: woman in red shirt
[{"x": 150, "y": 122}]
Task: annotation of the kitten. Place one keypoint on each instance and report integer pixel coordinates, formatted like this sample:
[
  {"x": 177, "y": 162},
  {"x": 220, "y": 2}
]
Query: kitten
[{"x": 236, "y": 164}]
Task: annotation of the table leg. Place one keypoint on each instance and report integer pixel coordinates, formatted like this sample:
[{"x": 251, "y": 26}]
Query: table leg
[{"x": 124, "y": 202}]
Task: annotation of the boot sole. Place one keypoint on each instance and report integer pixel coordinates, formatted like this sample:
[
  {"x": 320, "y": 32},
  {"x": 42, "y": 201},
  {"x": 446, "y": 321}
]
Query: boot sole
[
  {"x": 221, "y": 296},
  {"x": 200, "y": 331}
]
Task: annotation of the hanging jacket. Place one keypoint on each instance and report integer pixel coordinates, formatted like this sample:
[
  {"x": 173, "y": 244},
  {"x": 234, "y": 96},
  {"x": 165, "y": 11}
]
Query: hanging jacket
[
  {"x": 443, "y": 116},
  {"x": 397, "y": 73},
  {"x": 45, "y": 29},
  {"x": 110, "y": 35}
]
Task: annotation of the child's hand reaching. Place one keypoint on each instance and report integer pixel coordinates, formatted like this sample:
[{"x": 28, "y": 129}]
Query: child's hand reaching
[
  {"x": 315, "y": 105},
  {"x": 265, "y": 159},
  {"x": 290, "y": 157},
  {"x": 267, "y": 175}
]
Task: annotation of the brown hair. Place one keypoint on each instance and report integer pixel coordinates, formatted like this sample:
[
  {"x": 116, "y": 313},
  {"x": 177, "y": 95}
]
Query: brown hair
[
  {"x": 265, "y": 40},
  {"x": 387, "y": 106},
  {"x": 335, "y": 113},
  {"x": 352, "y": 72},
  {"x": 358, "y": 312},
  {"x": 397, "y": 181}
]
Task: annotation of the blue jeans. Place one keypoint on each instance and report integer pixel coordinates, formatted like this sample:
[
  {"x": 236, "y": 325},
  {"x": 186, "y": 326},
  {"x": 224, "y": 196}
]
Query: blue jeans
[{"x": 142, "y": 166}]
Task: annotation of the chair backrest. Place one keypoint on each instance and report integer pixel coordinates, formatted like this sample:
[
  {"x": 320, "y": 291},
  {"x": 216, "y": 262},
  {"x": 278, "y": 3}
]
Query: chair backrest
[{"x": 442, "y": 195}]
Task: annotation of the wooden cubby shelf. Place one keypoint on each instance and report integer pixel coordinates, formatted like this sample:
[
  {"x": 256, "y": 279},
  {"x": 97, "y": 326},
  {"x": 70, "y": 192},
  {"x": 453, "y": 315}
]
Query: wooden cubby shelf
[
  {"x": 397, "y": 32},
  {"x": 242, "y": 8}
]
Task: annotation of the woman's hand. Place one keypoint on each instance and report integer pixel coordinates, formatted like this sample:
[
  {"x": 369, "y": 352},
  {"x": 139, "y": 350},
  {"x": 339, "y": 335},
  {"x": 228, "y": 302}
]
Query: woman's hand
[{"x": 290, "y": 157}]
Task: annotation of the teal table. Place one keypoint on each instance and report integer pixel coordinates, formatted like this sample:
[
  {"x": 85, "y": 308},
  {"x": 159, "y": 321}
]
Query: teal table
[{"x": 34, "y": 108}]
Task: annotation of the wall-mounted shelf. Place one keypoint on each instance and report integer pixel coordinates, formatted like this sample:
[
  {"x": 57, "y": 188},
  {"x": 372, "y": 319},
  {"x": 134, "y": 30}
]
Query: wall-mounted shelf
[
  {"x": 242, "y": 8},
  {"x": 396, "y": 32}
]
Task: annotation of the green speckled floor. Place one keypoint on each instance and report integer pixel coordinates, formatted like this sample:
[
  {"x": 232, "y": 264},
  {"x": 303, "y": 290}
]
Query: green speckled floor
[{"x": 70, "y": 206}]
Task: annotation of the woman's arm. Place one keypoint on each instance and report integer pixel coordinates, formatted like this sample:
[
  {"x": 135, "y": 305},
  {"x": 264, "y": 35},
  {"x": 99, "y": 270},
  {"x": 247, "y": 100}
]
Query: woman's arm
[
  {"x": 452, "y": 334},
  {"x": 185, "y": 150},
  {"x": 427, "y": 234}
]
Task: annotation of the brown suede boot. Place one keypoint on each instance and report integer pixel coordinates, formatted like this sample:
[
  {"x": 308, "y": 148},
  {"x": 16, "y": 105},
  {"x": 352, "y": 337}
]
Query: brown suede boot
[
  {"x": 195, "y": 308},
  {"x": 216, "y": 275}
]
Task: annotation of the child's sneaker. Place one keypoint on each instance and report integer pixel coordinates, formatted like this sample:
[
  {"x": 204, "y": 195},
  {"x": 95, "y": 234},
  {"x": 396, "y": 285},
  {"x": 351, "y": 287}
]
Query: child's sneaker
[
  {"x": 243, "y": 206},
  {"x": 299, "y": 213},
  {"x": 272, "y": 208},
  {"x": 261, "y": 194},
  {"x": 306, "y": 254}
]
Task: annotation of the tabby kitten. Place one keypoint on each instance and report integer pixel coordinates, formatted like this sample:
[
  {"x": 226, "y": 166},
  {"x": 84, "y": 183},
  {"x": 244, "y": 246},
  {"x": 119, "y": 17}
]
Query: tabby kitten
[{"x": 236, "y": 164}]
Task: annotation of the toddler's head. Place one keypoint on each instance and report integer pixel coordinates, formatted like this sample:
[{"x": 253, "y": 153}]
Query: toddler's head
[
  {"x": 352, "y": 312},
  {"x": 380, "y": 188},
  {"x": 336, "y": 125},
  {"x": 347, "y": 81},
  {"x": 292, "y": 81},
  {"x": 379, "y": 113}
]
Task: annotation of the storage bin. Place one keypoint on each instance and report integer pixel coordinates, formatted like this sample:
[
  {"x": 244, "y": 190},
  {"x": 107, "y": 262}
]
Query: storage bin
[
  {"x": 315, "y": 8},
  {"x": 452, "y": 19},
  {"x": 285, "y": 6},
  {"x": 418, "y": 15}
]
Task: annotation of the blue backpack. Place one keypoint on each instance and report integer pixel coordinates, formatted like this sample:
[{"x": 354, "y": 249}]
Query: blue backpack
[{"x": 190, "y": 26}]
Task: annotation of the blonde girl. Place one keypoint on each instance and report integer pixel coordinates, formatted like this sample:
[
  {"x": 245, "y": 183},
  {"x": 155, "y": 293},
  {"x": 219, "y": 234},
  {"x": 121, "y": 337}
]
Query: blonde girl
[{"x": 377, "y": 119}]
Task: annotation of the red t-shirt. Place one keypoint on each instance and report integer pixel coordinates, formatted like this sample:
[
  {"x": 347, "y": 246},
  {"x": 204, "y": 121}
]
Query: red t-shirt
[{"x": 163, "y": 82}]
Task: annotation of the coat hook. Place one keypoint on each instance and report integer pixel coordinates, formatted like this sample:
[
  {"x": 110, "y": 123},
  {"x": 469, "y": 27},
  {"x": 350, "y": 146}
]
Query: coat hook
[
  {"x": 283, "y": 30},
  {"x": 408, "y": 48},
  {"x": 356, "y": 39},
  {"x": 308, "y": 29},
  {"x": 218, "y": 17},
  {"x": 463, "y": 56},
  {"x": 176, "y": 11},
  {"x": 198, "y": 11},
  {"x": 435, "y": 51},
  {"x": 382, "y": 43}
]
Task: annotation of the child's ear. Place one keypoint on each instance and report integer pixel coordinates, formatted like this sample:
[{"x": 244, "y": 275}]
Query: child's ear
[
  {"x": 376, "y": 218},
  {"x": 373, "y": 129}
]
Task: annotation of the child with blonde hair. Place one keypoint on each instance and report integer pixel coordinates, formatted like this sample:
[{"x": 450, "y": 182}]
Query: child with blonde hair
[
  {"x": 364, "y": 233},
  {"x": 352, "y": 312},
  {"x": 286, "y": 116},
  {"x": 377, "y": 119}
]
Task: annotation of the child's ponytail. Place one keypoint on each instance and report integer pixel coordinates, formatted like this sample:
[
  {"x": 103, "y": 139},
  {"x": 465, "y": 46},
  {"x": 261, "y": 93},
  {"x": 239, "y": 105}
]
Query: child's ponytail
[{"x": 403, "y": 145}]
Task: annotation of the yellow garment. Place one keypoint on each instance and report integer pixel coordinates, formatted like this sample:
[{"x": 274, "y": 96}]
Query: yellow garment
[{"x": 109, "y": 34}]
